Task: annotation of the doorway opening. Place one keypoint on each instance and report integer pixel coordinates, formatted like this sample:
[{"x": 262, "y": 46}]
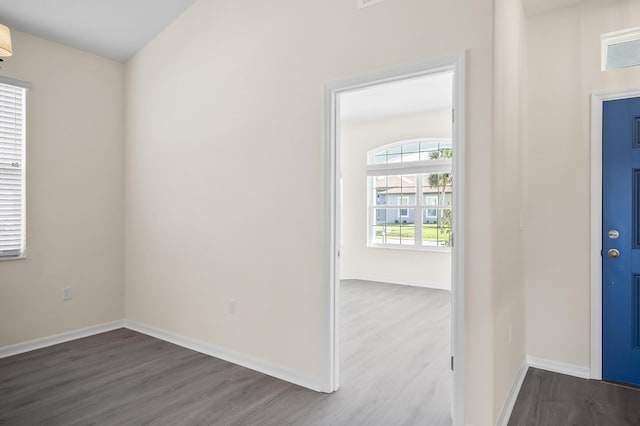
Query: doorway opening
[{"x": 395, "y": 235}]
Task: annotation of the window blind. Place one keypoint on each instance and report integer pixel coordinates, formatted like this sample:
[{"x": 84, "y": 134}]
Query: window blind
[{"x": 12, "y": 171}]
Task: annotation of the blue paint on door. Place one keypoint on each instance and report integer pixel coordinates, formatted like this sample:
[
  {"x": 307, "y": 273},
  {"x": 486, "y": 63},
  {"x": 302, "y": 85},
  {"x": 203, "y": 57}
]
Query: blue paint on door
[{"x": 621, "y": 212}]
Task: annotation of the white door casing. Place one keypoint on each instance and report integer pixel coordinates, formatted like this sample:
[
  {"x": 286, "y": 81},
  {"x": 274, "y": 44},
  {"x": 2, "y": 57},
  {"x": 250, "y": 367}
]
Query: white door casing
[
  {"x": 597, "y": 100},
  {"x": 453, "y": 62}
]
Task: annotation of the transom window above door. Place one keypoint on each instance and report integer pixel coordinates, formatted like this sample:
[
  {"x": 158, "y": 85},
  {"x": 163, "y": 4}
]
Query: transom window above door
[{"x": 410, "y": 188}]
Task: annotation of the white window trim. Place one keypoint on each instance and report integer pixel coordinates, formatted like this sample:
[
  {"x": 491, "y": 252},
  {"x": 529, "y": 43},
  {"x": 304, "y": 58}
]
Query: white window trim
[
  {"x": 15, "y": 82},
  {"x": 406, "y": 206},
  {"x": 22, "y": 85},
  {"x": 419, "y": 210},
  {"x": 417, "y": 168},
  {"x": 431, "y": 206},
  {"x": 616, "y": 37},
  {"x": 372, "y": 153},
  {"x": 410, "y": 167}
]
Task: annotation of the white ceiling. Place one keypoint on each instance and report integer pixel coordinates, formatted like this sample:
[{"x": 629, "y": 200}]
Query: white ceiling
[
  {"x": 115, "y": 29},
  {"x": 404, "y": 97}
]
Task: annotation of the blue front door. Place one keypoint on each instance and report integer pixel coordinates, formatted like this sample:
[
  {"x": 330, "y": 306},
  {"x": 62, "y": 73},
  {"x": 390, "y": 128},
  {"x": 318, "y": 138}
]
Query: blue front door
[{"x": 621, "y": 241}]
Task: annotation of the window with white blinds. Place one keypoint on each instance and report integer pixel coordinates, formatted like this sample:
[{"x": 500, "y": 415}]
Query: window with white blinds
[{"x": 12, "y": 171}]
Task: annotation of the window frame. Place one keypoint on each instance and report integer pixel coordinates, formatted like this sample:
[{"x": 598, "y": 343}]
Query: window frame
[
  {"x": 24, "y": 86},
  {"x": 429, "y": 206},
  {"x": 418, "y": 169},
  {"x": 625, "y": 36},
  {"x": 403, "y": 201}
]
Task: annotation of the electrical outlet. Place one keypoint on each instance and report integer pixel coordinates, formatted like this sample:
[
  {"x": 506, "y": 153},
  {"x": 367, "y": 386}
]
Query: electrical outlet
[
  {"x": 232, "y": 306},
  {"x": 66, "y": 293}
]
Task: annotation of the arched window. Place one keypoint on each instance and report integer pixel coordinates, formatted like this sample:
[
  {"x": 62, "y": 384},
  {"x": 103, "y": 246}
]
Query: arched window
[{"x": 410, "y": 194}]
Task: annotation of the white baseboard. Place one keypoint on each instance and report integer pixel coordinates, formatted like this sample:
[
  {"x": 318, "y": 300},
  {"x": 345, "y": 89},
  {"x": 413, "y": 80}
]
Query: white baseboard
[
  {"x": 543, "y": 364},
  {"x": 559, "y": 367},
  {"x": 186, "y": 342},
  {"x": 43, "y": 342},
  {"x": 434, "y": 285},
  {"x": 203, "y": 347},
  {"x": 512, "y": 396},
  {"x": 267, "y": 367},
  {"x": 234, "y": 357}
]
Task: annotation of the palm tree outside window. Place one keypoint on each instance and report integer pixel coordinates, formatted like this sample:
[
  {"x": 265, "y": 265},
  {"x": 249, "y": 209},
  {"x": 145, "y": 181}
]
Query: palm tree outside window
[{"x": 410, "y": 194}]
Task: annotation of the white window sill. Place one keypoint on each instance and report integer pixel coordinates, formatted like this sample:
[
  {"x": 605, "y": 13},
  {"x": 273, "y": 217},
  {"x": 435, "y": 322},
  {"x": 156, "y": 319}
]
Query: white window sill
[
  {"x": 7, "y": 259},
  {"x": 412, "y": 248}
]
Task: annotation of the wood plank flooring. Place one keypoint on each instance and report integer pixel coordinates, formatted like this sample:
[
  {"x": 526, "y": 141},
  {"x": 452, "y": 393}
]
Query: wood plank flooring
[
  {"x": 395, "y": 360},
  {"x": 553, "y": 399}
]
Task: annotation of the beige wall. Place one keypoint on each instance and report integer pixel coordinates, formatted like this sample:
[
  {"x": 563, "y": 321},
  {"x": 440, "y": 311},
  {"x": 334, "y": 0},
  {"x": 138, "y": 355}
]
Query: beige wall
[
  {"x": 564, "y": 69},
  {"x": 242, "y": 104},
  {"x": 232, "y": 122},
  {"x": 75, "y": 130},
  {"x": 509, "y": 126},
  {"x": 424, "y": 268}
]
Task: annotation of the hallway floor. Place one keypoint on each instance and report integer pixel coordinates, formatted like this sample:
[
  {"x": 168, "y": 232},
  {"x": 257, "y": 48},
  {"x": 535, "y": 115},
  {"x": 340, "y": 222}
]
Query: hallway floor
[{"x": 553, "y": 399}]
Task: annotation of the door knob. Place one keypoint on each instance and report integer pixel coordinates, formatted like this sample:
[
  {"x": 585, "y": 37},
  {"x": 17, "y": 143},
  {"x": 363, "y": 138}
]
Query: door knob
[
  {"x": 613, "y": 234},
  {"x": 613, "y": 253}
]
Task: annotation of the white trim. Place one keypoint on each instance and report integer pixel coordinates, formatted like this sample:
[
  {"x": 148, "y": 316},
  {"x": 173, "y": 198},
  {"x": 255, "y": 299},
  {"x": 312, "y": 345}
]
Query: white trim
[
  {"x": 542, "y": 364},
  {"x": 23, "y": 169},
  {"x": 372, "y": 152},
  {"x": 559, "y": 367},
  {"x": 410, "y": 167},
  {"x": 15, "y": 82},
  {"x": 597, "y": 99},
  {"x": 23, "y": 256},
  {"x": 458, "y": 251},
  {"x": 406, "y": 207},
  {"x": 234, "y": 357},
  {"x": 512, "y": 396},
  {"x": 616, "y": 37},
  {"x": 419, "y": 208},
  {"x": 228, "y": 355},
  {"x": 55, "y": 339},
  {"x": 267, "y": 367},
  {"x": 429, "y": 284},
  {"x": 453, "y": 62},
  {"x": 331, "y": 250},
  {"x": 432, "y": 249}
]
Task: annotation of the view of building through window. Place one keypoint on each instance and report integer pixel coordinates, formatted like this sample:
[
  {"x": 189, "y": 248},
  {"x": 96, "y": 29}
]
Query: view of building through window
[{"x": 411, "y": 209}]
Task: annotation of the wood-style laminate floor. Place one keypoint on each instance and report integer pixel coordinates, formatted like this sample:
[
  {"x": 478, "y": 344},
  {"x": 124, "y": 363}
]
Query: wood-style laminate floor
[
  {"x": 552, "y": 399},
  {"x": 395, "y": 359}
]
